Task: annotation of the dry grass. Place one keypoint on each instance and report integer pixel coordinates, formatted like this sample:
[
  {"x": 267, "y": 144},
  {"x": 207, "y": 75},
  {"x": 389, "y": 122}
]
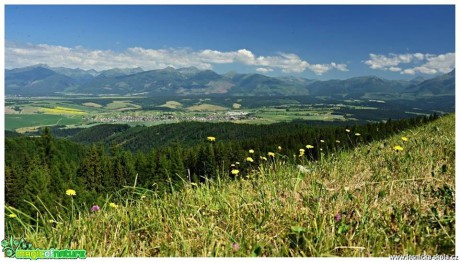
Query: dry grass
[
  {"x": 90, "y": 104},
  {"x": 206, "y": 107},
  {"x": 172, "y": 104}
]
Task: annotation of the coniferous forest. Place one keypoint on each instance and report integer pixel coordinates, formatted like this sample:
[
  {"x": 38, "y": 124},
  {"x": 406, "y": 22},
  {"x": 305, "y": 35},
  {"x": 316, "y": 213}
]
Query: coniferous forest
[{"x": 39, "y": 169}]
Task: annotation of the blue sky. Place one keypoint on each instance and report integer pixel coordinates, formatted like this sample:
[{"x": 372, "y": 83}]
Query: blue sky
[{"x": 322, "y": 42}]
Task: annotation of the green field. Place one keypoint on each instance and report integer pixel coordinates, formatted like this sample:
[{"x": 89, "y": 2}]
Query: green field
[
  {"x": 17, "y": 121},
  {"x": 35, "y": 112}
]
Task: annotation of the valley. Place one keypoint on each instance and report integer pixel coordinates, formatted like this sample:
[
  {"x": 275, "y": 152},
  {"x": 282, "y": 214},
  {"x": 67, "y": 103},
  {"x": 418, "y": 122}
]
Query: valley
[
  {"x": 40, "y": 95},
  {"x": 25, "y": 115}
]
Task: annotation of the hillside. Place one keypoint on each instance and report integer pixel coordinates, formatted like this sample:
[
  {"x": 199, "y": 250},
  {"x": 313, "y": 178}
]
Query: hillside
[
  {"x": 442, "y": 85},
  {"x": 371, "y": 201}
]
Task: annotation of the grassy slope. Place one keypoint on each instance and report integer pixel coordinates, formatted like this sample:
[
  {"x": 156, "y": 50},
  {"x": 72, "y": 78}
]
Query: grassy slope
[{"x": 390, "y": 203}]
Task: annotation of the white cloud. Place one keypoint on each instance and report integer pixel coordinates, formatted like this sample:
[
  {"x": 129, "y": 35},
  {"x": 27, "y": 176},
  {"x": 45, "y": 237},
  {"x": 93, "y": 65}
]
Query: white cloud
[
  {"x": 264, "y": 69},
  {"x": 319, "y": 69},
  {"x": 413, "y": 63},
  {"x": 340, "y": 67},
  {"x": 443, "y": 63},
  {"x": 419, "y": 56},
  {"x": 20, "y": 55},
  {"x": 408, "y": 72}
]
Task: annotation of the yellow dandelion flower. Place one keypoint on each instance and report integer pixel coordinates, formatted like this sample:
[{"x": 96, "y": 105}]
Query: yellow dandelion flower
[
  {"x": 12, "y": 215},
  {"x": 398, "y": 148},
  {"x": 357, "y": 134},
  {"x": 211, "y": 138},
  {"x": 113, "y": 205},
  {"x": 235, "y": 171},
  {"x": 301, "y": 152},
  {"x": 249, "y": 159},
  {"x": 279, "y": 148},
  {"x": 347, "y": 130},
  {"x": 251, "y": 151},
  {"x": 263, "y": 158},
  {"x": 309, "y": 147},
  {"x": 405, "y": 139},
  {"x": 271, "y": 154},
  {"x": 70, "y": 192}
]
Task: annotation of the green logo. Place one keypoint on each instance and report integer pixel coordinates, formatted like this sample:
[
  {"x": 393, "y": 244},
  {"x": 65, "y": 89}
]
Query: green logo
[
  {"x": 10, "y": 246},
  {"x": 21, "y": 249}
]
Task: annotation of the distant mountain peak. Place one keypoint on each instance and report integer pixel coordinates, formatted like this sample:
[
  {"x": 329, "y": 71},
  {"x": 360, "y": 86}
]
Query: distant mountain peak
[
  {"x": 169, "y": 68},
  {"x": 189, "y": 70},
  {"x": 38, "y": 80}
]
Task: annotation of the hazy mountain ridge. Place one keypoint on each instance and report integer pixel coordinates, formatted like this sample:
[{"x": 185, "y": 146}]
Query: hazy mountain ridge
[{"x": 41, "y": 80}]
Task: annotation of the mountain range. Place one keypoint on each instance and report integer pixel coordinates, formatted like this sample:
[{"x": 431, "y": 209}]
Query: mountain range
[{"x": 42, "y": 80}]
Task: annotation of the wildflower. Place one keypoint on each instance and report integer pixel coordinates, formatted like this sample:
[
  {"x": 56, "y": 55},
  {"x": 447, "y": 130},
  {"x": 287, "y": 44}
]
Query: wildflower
[
  {"x": 398, "y": 148},
  {"x": 263, "y": 158},
  {"x": 301, "y": 152},
  {"x": 338, "y": 217},
  {"x": 271, "y": 154},
  {"x": 235, "y": 246},
  {"x": 347, "y": 130},
  {"x": 249, "y": 159},
  {"x": 211, "y": 139},
  {"x": 235, "y": 171},
  {"x": 279, "y": 148},
  {"x": 113, "y": 205},
  {"x": 251, "y": 151},
  {"x": 12, "y": 215},
  {"x": 95, "y": 208},
  {"x": 309, "y": 147},
  {"x": 303, "y": 169},
  {"x": 357, "y": 134},
  {"x": 70, "y": 192},
  {"x": 405, "y": 139},
  {"x": 322, "y": 141},
  {"x": 337, "y": 141}
]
